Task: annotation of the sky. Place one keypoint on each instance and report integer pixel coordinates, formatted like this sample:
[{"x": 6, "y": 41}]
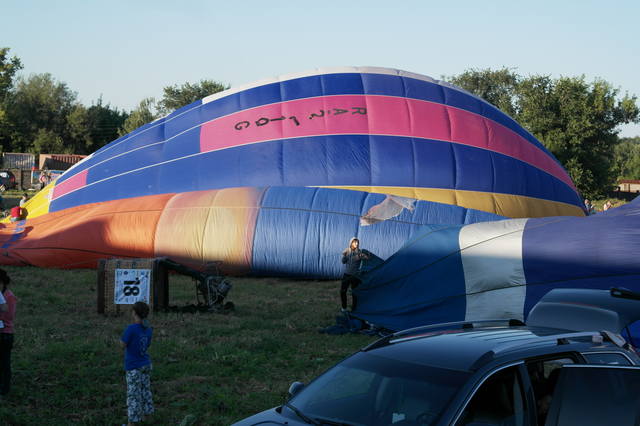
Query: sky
[{"x": 125, "y": 51}]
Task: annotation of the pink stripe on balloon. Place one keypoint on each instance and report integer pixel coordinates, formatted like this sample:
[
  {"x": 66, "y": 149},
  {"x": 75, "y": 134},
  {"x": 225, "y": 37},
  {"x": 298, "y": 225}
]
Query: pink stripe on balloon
[
  {"x": 74, "y": 182},
  {"x": 377, "y": 115}
]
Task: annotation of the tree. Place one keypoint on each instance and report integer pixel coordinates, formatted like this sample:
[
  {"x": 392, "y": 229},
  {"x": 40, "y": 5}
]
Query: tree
[
  {"x": 576, "y": 120},
  {"x": 178, "y": 96},
  {"x": 40, "y": 114},
  {"x": 143, "y": 114},
  {"x": 93, "y": 127},
  {"x": 496, "y": 87},
  {"x": 174, "y": 97},
  {"x": 103, "y": 124},
  {"x": 38, "y": 109},
  {"x": 8, "y": 69},
  {"x": 626, "y": 158},
  {"x": 46, "y": 140},
  {"x": 80, "y": 135}
]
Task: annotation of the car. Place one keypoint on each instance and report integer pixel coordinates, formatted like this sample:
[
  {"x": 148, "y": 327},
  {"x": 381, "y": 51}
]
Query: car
[
  {"x": 7, "y": 179},
  {"x": 569, "y": 365}
]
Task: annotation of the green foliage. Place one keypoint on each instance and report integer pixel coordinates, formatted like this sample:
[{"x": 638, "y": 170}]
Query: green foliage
[
  {"x": 104, "y": 123},
  {"x": 208, "y": 369},
  {"x": 39, "y": 114},
  {"x": 496, "y": 87},
  {"x": 626, "y": 159},
  {"x": 174, "y": 97},
  {"x": 5, "y": 129},
  {"x": 38, "y": 109},
  {"x": 598, "y": 204},
  {"x": 79, "y": 129},
  {"x": 92, "y": 128},
  {"x": 143, "y": 114},
  {"x": 46, "y": 140},
  {"x": 178, "y": 96},
  {"x": 576, "y": 120},
  {"x": 8, "y": 70}
]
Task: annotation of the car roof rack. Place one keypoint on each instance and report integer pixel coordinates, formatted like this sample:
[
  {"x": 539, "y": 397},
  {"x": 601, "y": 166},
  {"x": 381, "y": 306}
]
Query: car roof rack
[
  {"x": 560, "y": 339},
  {"x": 463, "y": 325}
]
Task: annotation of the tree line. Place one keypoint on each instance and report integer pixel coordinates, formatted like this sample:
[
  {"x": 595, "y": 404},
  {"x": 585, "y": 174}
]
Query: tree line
[
  {"x": 577, "y": 120},
  {"x": 39, "y": 114}
]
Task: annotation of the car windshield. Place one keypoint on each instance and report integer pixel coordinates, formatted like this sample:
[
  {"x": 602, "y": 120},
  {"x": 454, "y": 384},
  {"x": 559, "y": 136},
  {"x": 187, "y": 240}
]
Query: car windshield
[{"x": 370, "y": 390}]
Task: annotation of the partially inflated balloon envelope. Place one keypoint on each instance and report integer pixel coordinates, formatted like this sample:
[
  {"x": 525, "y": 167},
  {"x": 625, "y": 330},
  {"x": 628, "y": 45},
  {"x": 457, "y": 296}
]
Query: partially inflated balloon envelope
[
  {"x": 274, "y": 177},
  {"x": 501, "y": 269}
]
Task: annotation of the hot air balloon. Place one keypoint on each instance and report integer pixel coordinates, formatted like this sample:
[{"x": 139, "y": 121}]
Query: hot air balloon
[
  {"x": 276, "y": 176},
  {"x": 501, "y": 269}
]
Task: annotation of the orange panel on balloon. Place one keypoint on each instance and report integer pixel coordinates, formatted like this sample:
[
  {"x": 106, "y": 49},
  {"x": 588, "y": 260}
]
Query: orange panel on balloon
[
  {"x": 205, "y": 226},
  {"x": 82, "y": 235}
]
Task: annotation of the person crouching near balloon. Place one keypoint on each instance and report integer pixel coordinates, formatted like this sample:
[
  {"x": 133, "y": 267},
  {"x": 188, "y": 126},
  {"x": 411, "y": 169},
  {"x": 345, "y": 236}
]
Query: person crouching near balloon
[
  {"x": 352, "y": 258},
  {"x": 135, "y": 341}
]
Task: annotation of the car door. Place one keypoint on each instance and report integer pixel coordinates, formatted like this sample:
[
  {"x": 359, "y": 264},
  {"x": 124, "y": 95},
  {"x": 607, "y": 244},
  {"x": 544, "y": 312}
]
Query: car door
[
  {"x": 543, "y": 375},
  {"x": 498, "y": 401},
  {"x": 595, "y": 395}
]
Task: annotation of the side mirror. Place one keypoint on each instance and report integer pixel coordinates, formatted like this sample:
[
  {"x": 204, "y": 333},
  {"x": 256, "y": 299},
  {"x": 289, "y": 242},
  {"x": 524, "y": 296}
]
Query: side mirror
[{"x": 294, "y": 389}]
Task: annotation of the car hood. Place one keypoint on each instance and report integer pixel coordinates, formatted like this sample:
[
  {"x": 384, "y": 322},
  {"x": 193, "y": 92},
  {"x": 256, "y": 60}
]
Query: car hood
[{"x": 270, "y": 417}]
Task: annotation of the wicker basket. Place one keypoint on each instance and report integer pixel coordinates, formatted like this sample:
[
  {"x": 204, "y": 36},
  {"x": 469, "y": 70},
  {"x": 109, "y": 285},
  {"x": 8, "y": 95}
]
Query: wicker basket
[{"x": 158, "y": 291}]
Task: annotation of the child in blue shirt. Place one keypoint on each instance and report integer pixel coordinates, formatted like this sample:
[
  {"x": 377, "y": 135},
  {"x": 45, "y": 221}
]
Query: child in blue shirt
[{"x": 136, "y": 340}]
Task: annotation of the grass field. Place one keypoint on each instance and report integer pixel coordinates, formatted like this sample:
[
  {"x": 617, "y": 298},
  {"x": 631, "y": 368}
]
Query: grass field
[{"x": 209, "y": 369}]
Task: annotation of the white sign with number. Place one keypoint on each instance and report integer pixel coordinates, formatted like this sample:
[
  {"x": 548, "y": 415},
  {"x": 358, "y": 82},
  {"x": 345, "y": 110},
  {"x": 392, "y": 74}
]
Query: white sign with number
[{"x": 131, "y": 286}]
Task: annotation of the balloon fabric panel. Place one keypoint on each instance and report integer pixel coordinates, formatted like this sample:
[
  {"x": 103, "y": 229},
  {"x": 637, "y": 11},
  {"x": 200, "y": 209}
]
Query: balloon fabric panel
[{"x": 274, "y": 177}]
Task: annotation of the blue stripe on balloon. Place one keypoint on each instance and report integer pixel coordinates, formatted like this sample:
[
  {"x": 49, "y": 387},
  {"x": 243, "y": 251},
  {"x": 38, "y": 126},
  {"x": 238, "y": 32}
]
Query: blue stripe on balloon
[
  {"x": 347, "y": 160},
  {"x": 328, "y": 218},
  {"x": 320, "y": 85},
  {"x": 567, "y": 252}
]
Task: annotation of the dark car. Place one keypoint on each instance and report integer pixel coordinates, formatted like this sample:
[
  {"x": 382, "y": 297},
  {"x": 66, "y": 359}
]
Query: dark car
[
  {"x": 567, "y": 366},
  {"x": 7, "y": 179}
]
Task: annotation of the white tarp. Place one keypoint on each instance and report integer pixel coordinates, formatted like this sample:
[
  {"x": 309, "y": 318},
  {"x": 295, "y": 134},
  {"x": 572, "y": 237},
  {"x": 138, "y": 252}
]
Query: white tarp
[{"x": 391, "y": 207}]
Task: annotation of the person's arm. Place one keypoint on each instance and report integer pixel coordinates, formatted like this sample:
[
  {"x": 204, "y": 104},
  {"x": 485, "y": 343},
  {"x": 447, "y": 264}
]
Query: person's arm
[
  {"x": 345, "y": 256},
  {"x": 124, "y": 339},
  {"x": 3, "y": 304}
]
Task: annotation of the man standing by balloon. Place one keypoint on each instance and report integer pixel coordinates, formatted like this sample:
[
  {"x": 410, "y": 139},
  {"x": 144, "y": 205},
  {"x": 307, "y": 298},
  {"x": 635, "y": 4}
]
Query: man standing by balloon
[{"x": 352, "y": 257}]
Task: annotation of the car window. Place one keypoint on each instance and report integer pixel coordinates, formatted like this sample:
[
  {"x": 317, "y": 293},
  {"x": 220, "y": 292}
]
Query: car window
[
  {"x": 543, "y": 374},
  {"x": 594, "y": 395},
  {"x": 606, "y": 358},
  {"x": 352, "y": 383},
  {"x": 498, "y": 401},
  {"x": 370, "y": 390}
]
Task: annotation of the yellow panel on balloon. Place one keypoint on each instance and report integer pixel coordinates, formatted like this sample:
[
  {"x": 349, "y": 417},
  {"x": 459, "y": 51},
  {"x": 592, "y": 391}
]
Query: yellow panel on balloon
[
  {"x": 507, "y": 205},
  {"x": 38, "y": 204},
  {"x": 216, "y": 225}
]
